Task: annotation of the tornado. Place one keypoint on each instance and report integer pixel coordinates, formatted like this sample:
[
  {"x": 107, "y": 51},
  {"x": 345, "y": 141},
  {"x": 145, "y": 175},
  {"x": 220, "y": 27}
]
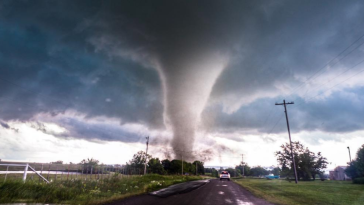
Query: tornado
[
  {"x": 189, "y": 43},
  {"x": 187, "y": 78}
]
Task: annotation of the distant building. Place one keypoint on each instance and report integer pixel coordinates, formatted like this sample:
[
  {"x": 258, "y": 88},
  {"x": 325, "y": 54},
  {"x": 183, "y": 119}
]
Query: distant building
[{"x": 339, "y": 174}]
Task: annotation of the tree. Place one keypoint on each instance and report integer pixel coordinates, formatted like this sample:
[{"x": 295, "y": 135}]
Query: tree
[
  {"x": 57, "y": 162},
  {"x": 155, "y": 166},
  {"x": 276, "y": 171},
  {"x": 308, "y": 164},
  {"x": 136, "y": 165},
  {"x": 244, "y": 166},
  {"x": 176, "y": 167},
  {"x": 212, "y": 171},
  {"x": 166, "y": 165},
  {"x": 200, "y": 167},
  {"x": 258, "y": 171},
  {"x": 89, "y": 164},
  {"x": 356, "y": 167},
  {"x": 233, "y": 172}
]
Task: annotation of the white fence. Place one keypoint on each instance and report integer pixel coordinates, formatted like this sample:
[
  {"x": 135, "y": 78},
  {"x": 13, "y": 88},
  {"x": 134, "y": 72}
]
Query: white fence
[{"x": 26, "y": 168}]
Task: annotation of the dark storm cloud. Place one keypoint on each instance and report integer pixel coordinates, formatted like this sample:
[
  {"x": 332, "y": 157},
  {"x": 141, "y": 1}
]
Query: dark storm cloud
[
  {"x": 4, "y": 125},
  {"x": 342, "y": 112},
  {"x": 47, "y": 65},
  {"x": 97, "y": 57},
  {"x": 283, "y": 41},
  {"x": 94, "y": 130}
]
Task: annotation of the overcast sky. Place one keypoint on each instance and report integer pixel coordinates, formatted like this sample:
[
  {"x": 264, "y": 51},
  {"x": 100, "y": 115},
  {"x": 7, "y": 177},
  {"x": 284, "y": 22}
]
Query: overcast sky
[{"x": 81, "y": 79}]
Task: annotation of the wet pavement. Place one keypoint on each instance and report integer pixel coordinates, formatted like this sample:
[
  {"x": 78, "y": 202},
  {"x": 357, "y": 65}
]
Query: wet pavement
[
  {"x": 179, "y": 188},
  {"x": 211, "y": 193}
]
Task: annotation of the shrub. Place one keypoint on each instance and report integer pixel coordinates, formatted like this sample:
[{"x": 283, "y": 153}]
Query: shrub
[{"x": 359, "y": 180}]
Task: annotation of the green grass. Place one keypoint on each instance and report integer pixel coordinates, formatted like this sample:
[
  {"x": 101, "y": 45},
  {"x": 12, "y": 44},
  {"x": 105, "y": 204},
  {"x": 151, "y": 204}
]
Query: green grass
[
  {"x": 305, "y": 192},
  {"x": 80, "y": 191},
  {"x": 57, "y": 177}
]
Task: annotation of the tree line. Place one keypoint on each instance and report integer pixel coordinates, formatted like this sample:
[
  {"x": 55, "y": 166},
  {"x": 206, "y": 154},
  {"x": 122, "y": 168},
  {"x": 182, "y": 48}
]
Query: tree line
[{"x": 166, "y": 166}]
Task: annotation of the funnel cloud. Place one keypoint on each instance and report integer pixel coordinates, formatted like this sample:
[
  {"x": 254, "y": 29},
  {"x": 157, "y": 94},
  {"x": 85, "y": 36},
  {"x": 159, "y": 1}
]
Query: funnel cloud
[
  {"x": 189, "y": 46},
  {"x": 187, "y": 84}
]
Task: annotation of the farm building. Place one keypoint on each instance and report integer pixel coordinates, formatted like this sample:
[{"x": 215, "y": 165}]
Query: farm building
[{"x": 339, "y": 173}]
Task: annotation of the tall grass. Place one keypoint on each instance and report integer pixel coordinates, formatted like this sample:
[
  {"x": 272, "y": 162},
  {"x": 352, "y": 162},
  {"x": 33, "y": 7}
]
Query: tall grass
[{"x": 78, "y": 191}]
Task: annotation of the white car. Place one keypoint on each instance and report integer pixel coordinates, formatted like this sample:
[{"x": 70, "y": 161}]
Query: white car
[{"x": 225, "y": 175}]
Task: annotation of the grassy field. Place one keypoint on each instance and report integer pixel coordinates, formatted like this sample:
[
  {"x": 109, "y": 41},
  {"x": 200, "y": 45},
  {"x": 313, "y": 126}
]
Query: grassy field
[
  {"x": 81, "y": 191},
  {"x": 58, "y": 177},
  {"x": 303, "y": 193}
]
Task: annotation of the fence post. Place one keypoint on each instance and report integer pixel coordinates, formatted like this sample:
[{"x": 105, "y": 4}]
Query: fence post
[
  {"x": 49, "y": 168},
  {"x": 7, "y": 169},
  {"x": 62, "y": 172},
  {"x": 68, "y": 169},
  {"x": 41, "y": 172},
  {"x": 56, "y": 173},
  {"x": 25, "y": 172},
  {"x": 102, "y": 172}
]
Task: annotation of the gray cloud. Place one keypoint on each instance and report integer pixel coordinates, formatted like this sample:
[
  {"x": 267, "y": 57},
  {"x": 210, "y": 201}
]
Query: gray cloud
[
  {"x": 341, "y": 112},
  {"x": 7, "y": 126},
  {"x": 97, "y": 57}
]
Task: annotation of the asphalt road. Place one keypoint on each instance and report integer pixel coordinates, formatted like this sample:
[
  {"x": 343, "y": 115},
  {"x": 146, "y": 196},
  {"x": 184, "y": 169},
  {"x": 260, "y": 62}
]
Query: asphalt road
[{"x": 213, "y": 193}]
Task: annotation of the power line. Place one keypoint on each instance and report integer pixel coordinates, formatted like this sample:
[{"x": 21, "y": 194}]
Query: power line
[
  {"x": 323, "y": 84},
  {"x": 337, "y": 83},
  {"x": 332, "y": 61},
  {"x": 275, "y": 125}
]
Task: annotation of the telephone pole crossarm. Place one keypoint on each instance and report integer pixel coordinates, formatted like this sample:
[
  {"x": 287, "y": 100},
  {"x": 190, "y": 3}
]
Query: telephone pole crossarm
[{"x": 287, "y": 103}]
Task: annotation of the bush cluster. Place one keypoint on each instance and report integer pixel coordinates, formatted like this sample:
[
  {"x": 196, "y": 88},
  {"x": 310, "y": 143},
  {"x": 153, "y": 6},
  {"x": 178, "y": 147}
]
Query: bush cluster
[{"x": 359, "y": 180}]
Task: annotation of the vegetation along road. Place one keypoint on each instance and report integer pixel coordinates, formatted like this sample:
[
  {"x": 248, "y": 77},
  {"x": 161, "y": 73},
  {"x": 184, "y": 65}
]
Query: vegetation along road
[{"x": 306, "y": 192}]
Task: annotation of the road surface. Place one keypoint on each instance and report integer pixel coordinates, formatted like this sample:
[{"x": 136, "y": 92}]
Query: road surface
[{"x": 213, "y": 193}]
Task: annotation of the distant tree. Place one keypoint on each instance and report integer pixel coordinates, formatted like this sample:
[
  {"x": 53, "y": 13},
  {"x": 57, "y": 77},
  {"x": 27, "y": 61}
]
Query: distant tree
[
  {"x": 89, "y": 161},
  {"x": 57, "y": 162},
  {"x": 356, "y": 167},
  {"x": 155, "y": 166},
  {"x": 215, "y": 173},
  {"x": 136, "y": 164},
  {"x": 233, "y": 172},
  {"x": 89, "y": 165},
  {"x": 308, "y": 164},
  {"x": 166, "y": 165},
  {"x": 258, "y": 171},
  {"x": 276, "y": 171},
  {"x": 244, "y": 166},
  {"x": 200, "y": 167},
  {"x": 208, "y": 171},
  {"x": 175, "y": 167}
]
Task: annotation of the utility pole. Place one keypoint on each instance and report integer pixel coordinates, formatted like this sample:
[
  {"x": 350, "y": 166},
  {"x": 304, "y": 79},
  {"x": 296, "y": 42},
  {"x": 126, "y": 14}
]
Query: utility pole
[
  {"x": 196, "y": 168},
  {"x": 289, "y": 134},
  {"x": 146, "y": 156},
  {"x": 349, "y": 153},
  {"x": 182, "y": 164},
  {"x": 242, "y": 162}
]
